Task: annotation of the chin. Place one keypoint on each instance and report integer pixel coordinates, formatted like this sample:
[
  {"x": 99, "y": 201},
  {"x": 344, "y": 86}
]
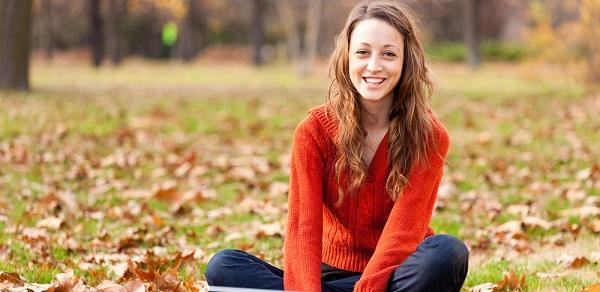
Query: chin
[{"x": 370, "y": 96}]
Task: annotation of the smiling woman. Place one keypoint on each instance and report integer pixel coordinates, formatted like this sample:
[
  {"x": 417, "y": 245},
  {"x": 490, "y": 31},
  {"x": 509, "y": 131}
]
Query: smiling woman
[{"x": 365, "y": 170}]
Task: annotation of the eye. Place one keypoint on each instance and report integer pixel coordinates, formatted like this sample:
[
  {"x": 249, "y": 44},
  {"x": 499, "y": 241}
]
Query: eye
[
  {"x": 362, "y": 52},
  {"x": 389, "y": 54}
]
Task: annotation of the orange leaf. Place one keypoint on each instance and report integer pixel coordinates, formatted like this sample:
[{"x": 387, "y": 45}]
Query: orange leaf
[
  {"x": 593, "y": 288},
  {"x": 12, "y": 278}
]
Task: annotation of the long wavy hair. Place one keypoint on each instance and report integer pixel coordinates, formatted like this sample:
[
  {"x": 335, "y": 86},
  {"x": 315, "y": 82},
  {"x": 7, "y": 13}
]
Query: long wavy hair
[{"x": 410, "y": 122}]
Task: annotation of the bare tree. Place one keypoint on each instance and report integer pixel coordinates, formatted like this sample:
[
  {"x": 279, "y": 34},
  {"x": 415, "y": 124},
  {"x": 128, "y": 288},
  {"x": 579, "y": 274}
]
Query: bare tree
[
  {"x": 313, "y": 23},
  {"x": 258, "y": 31},
  {"x": 46, "y": 35},
  {"x": 15, "y": 41},
  {"x": 471, "y": 8},
  {"x": 192, "y": 31},
  {"x": 286, "y": 16},
  {"x": 113, "y": 35},
  {"x": 304, "y": 55},
  {"x": 96, "y": 37}
]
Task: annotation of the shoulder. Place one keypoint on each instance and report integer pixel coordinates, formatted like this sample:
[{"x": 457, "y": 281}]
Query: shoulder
[
  {"x": 314, "y": 127},
  {"x": 319, "y": 123}
]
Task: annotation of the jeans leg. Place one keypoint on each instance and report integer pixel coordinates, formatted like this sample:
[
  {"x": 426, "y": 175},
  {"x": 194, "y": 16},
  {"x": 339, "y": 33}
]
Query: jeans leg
[
  {"x": 440, "y": 263},
  {"x": 340, "y": 285},
  {"x": 235, "y": 268}
]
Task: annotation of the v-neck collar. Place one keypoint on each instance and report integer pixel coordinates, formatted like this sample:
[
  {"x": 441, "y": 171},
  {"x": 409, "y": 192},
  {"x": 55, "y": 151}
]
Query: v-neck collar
[{"x": 377, "y": 158}]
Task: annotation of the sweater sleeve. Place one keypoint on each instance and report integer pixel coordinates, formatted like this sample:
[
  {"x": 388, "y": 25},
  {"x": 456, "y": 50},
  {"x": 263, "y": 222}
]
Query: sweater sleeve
[
  {"x": 303, "y": 238},
  {"x": 408, "y": 221}
]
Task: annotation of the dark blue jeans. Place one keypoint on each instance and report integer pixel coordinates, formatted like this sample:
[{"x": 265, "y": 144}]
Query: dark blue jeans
[{"x": 440, "y": 263}]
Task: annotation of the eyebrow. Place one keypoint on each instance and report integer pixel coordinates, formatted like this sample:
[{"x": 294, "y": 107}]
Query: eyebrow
[{"x": 385, "y": 46}]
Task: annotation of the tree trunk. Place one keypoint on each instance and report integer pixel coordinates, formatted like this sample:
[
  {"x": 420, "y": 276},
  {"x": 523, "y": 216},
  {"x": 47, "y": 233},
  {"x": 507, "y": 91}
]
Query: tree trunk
[
  {"x": 286, "y": 16},
  {"x": 313, "y": 22},
  {"x": 589, "y": 10},
  {"x": 96, "y": 37},
  {"x": 15, "y": 40},
  {"x": 113, "y": 36},
  {"x": 258, "y": 30},
  {"x": 471, "y": 35},
  {"x": 192, "y": 32},
  {"x": 46, "y": 36}
]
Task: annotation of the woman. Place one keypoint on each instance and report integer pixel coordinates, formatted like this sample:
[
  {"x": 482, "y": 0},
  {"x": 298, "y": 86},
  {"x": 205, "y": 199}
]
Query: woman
[{"x": 365, "y": 171}]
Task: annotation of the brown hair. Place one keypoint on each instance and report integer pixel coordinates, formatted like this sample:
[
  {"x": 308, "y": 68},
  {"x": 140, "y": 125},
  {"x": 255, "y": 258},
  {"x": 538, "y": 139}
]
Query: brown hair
[{"x": 410, "y": 128}]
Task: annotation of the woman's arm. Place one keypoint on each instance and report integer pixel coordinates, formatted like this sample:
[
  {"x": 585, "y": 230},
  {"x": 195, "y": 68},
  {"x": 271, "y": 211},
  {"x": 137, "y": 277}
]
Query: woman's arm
[
  {"x": 303, "y": 243},
  {"x": 408, "y": 221}
]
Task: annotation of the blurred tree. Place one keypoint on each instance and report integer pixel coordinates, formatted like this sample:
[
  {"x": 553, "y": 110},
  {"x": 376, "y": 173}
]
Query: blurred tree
[
  {"x": 193, "y": 30},
  {"x": 96, "y": 35},
  {"x": 116, "y": 9},
  {"x": 301, "y": 50},
  {"x": 288, "y": 21},
  {"x": 313, "y": 23},
  {"x": 15, "y": 39},
  {"x": 590, "y": 13},
  {"x": 46, "y": 35},
  {"x": 258, "y": 31},
  {"x": 471, "y": 35}
]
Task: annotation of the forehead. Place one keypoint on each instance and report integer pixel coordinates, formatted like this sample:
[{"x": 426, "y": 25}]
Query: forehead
[{"x": 375, "y": 32}]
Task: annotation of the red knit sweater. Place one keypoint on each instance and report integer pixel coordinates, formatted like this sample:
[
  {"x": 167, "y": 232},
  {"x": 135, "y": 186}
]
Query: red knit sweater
[{"x": 369, "y": 232}]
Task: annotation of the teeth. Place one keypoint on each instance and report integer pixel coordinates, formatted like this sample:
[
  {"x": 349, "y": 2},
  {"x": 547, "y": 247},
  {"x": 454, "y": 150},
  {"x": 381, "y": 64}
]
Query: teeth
[{"x": 374, "y": 80}]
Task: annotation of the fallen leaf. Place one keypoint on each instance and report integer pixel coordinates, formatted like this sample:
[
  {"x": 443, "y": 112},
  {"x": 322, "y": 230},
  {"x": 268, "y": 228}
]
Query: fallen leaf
[
  {"x": 12, "y": 278},
  {"x": 135, "y": 285},
  {"x": 593, "y": 288},
  {"x": 485, "y": 287},
  {"x": 109, "y": 286},
  {"x": 50, "y": 223},
  {"x": 572, "y": 261},
  {"x": 510, "y": 281}
]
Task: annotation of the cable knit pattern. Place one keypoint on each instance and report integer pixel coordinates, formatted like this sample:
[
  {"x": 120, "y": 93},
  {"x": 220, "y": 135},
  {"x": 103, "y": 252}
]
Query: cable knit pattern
[{"x": 368, "y": 233}]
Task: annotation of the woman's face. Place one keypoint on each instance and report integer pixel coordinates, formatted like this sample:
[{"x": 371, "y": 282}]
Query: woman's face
[{"x": 375, "y": 59}]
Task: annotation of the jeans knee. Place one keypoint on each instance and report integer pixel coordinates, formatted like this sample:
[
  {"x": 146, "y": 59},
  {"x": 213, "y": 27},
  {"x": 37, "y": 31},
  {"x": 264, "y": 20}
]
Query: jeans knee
[
  {"x": 216, "y": 268},
  {"x": 452, "y": 252}
]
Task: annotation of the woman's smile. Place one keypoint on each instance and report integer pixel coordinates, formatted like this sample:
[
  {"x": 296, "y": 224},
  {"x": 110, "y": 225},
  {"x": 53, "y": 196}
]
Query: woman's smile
[{"x": 374, "y": 82}]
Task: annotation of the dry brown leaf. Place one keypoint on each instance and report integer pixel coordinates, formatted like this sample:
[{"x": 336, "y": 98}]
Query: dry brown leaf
[
  {"x": 510, "y": 281},
  {"x": 592, "y": 288},
  {"x": 67, "y": 282},
  {"x": 595, "y": 257},
  {"x": 50, "y": 223},
  {"x": 118, "y": 270},
  {"x": 140, "y": 274},
  {"x": 533, "y": 222},
  {"x": 572, "y": 261},
  {"x": 514, "y": 227},
  {"x": 167, "y": 192},
  {"x": 68, "y": 201},
  {"x": 594, "y": 225},
  {"x": 582, "y": 212},
  {"x": 550, "y": 275},
  {"x": 135, "y": 285},
  {"x": 35, "y": 233},
  {"x": 109, "y": 286},
  {"x": 168, "y": 282},
  {"x": 13, "y": 278},
  {"x": 485, "y": 287}
]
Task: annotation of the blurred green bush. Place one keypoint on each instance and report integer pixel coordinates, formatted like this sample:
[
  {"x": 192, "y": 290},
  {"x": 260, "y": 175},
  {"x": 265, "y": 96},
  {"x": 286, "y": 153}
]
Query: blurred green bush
[{"x": 490, "y": 51}]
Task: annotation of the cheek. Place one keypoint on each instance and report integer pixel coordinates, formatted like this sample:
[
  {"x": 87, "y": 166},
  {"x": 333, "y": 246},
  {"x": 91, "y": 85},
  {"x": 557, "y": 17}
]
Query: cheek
[{"x": 355, "y": 72}]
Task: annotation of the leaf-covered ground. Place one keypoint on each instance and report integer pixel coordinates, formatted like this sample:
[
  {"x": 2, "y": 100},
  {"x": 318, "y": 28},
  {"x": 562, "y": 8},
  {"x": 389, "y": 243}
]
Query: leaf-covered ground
[{"x": 133, "y": 177}]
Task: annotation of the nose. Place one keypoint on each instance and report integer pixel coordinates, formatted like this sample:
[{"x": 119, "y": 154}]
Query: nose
[{"x": 374, "y": 65}]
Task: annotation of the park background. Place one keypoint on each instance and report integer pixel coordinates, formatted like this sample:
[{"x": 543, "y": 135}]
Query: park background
[{"x": 139, "y": 137}]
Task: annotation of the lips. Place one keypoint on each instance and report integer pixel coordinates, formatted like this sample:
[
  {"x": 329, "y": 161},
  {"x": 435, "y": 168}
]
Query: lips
[{"x": 373, "y": 82}]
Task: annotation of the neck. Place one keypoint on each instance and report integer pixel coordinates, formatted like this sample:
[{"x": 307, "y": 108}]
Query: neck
[{"x": 375, "y": 114}]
